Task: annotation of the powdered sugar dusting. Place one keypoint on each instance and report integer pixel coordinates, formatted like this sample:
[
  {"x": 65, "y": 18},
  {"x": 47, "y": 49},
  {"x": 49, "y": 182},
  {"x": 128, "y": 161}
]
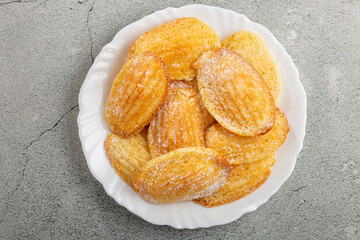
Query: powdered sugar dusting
[
  {"x": 183, "y": 174},
  {"x": 178, "y": 123},
  {"x": 136, "y": 94},
  {"x": 179, "y": 43},
  {"x": 240, "y": 149},
  {"x": 234, "y": 93}
]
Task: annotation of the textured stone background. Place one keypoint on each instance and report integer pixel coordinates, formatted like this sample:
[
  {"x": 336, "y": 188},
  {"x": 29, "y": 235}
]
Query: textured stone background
[{"x": 47, "y": 191}]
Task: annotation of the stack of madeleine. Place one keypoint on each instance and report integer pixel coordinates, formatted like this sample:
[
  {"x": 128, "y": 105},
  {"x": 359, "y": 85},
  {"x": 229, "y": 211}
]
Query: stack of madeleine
[{"x": 194, "y": 118}]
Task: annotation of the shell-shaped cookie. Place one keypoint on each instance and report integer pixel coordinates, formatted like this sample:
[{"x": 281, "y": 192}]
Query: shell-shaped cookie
[
  {"x": 243, "y": 180},
  {"x": 238, "y": 149},
  {"x": 234, "y": 92},
  {"x": 179, "y": 43},
  {"x": 250, "y": 46},
  {"x": 128, "y": 155},
  {"x": 181, "y": 175},
  {"x": 178, "y": 123},
  {"x": 136, "y": 94}
]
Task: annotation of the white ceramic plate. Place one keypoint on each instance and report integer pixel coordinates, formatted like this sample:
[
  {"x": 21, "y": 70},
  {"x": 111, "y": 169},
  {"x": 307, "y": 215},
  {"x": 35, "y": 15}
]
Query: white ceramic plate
[{"x": 93, "y": 129}]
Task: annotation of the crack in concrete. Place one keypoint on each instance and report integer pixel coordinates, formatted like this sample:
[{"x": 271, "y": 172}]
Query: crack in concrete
[
  {"x": 89, "y": 31},
  {"x": 17, "y": 1},
  {"x": 14, "y": 1},
  {"x": 21, "y": 1},
  {"x": 298, "y": 189},
  {"x": 24, "y": 153},
  {"x": 21, "y": 177},
  {"x": 25, "y": 149},
  {"x": 49, "y": 129},
  {"x": 82, "y": 1}
]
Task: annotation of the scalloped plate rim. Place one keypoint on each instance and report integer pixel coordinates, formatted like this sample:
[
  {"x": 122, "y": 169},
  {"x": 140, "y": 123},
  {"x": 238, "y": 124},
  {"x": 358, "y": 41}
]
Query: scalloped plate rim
[{"x": 239, "y": 212}]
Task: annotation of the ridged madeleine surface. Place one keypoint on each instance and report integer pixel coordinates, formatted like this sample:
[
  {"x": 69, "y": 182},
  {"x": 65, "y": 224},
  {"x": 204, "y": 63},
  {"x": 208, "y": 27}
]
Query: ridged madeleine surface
[
  {"x": 238, "y": 149},
  {"x": 178, "y": 123},
  {"x": 251, "y": 47},
  {"x": 181, "y": 175},
  {"x": 128, "y": 155},
  {"x": 136, "y": 94},
  {"x": 234, "y": 93},
  {"x": 179, "y": 43},
  {"x": 243, "y": 180}
]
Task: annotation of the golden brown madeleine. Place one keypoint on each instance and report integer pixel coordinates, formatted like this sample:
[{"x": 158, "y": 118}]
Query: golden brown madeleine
[
  {"x": 178, "y": 123},
  {"x": 243, "y": 180},
  {"x": 179, "y": 43},
  {"x": 181, "y": 175},
  {"x": 136, "y": 94},
  {"x": 128, "y": 155},
  {"x": 238, "y": 149},
  {"x": 234, "y": 93},
  {"x": 251, "y": 47}
]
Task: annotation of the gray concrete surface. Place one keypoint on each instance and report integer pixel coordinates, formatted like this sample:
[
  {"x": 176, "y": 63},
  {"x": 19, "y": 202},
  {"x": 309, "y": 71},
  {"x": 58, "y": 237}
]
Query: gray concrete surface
[{"x": 47, "y": 191}]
